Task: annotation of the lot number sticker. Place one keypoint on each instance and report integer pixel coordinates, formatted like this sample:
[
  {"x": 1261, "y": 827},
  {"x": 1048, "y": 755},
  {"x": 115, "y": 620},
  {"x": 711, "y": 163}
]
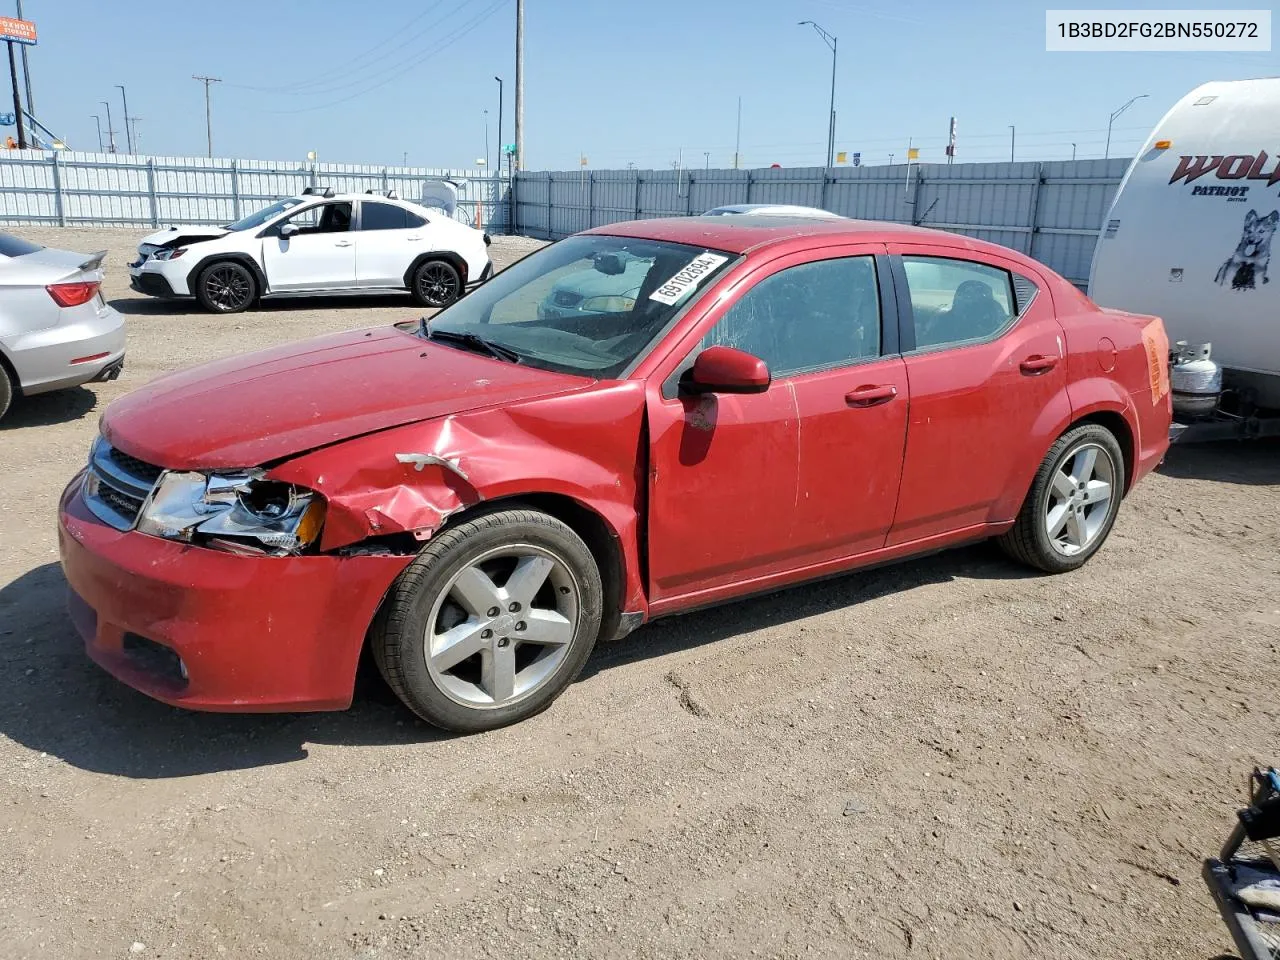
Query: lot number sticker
[{"x": 688, "y": 278}]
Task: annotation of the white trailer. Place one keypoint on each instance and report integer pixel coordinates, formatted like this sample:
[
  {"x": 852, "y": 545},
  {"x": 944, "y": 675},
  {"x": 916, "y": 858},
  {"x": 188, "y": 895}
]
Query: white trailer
[{"x": 1189, "y": 238}]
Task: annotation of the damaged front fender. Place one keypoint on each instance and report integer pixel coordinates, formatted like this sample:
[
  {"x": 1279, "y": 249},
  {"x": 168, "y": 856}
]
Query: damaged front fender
[{"x": 411, "y": 479}]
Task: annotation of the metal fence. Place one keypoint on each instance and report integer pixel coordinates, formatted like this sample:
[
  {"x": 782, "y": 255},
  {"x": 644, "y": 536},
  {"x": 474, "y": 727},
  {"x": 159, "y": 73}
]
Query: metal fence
[
  {"x": 105, "y": 189},
  {"x": 1049, "y": 210}
]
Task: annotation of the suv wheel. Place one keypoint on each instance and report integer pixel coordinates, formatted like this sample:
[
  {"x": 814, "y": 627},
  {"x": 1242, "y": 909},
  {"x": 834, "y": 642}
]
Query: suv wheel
[
  {"x": 226, "y": 287},
  {"x": 436, "y": 283}
]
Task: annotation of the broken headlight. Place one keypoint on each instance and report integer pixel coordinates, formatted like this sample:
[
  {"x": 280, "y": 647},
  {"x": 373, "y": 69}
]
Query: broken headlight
[{"x": 241, "y": 512}]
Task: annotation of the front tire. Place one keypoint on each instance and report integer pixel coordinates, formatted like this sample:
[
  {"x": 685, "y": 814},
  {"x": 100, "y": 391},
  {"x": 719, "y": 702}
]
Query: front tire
[
  {"x": 436, "y": 283},
  {"x": 1073, "y": 502},
  {"x": 490, "y": 622},
  {"x": 226, "y": 287}
]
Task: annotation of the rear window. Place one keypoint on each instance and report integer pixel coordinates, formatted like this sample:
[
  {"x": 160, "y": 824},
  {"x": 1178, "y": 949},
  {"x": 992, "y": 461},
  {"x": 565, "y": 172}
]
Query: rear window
[{"x": 11, "y": 246}]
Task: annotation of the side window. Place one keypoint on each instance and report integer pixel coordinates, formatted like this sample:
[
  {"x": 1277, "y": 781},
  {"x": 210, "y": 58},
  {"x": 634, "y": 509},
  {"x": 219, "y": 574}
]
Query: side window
[
  {"x": 322, "y": 218},
  {"x": 413, "y": 221},
  {"x": 382, "y": 216},
  {"x": 808, "y": 317},
  {"x": 957, "y": 301}
]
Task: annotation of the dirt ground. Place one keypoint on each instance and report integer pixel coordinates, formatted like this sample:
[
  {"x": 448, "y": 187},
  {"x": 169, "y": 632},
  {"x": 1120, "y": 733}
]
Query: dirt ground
[{"x": 947, "y": 758}]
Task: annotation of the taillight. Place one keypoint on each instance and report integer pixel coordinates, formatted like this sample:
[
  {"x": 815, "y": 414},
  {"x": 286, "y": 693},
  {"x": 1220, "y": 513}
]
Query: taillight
[{"x": 73, "y": 294}]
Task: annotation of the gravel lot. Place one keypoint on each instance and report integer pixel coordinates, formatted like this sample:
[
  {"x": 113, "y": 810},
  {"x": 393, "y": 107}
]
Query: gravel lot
[{"x": 943, "y": 758}]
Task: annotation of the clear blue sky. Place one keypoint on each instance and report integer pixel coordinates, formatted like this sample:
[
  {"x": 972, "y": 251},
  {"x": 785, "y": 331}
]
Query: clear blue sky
[{"x": 618, "y": 82}]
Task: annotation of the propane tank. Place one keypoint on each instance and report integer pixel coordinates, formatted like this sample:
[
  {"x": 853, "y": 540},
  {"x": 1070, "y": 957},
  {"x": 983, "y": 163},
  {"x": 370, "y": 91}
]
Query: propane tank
[{"x": 1196, "y": 381}]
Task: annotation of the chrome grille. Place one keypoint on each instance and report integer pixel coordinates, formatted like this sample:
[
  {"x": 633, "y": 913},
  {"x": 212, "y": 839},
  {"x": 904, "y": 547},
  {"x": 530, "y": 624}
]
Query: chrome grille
[{"x": 117, "y": 485}]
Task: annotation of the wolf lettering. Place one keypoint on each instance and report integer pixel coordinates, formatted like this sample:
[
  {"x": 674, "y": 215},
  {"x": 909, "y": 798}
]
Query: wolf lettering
[{"x": 1252, "y": 254}]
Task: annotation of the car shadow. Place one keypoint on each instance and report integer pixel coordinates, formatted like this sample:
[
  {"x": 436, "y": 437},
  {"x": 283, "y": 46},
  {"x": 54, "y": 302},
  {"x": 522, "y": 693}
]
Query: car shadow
[
  {"x": 981, "y": 561},
  {"x": 45, "y": 409},
  {"x": 148, "y": 307},
  {"x": 1245, "y": 462},
  {"x": 54, "y": 700}
]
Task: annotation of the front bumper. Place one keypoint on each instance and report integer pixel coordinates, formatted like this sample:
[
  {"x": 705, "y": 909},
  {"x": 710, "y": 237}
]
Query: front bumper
[
  {"x": 206, "y": 630},
  {"x": 161, "y": 278}
]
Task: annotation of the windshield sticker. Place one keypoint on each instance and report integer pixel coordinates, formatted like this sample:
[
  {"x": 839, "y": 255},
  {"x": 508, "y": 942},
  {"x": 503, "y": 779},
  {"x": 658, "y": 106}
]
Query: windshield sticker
[{"x": 688, "y": 278}]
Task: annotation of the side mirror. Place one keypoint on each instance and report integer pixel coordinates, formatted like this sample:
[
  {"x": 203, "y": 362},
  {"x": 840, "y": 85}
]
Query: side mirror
[
  {"x": 288, "y": 230},
  {"x": 726, "y": 370}
]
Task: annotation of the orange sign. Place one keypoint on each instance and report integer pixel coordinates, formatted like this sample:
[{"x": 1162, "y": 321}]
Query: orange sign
[
  {"x": 1157, "y": 343},
  {"x": 17, "y": 31}
]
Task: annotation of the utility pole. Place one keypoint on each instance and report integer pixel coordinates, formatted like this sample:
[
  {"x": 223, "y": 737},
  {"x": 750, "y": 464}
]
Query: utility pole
[
  {"x": 208, "y": 117},
  {"x": 486, "y": 136},
  {"x": 17, "y": 99},
  {"x": 136, "y": 142},
  {"x": 1107, "y": 153},
  {"x": 519, "y": 158},
  {"x": 128, "y": 137},
  {"x": 98, "y": 120},
  {"x": 501, "y": 148},
  {"x": 830, "y": 41},
  {"x": 111, "y": 130},
  {"x": 1012, "y": 134},
  {"x": 405, "y": 161},
  {"x": 26, "y": 70},
  {"x": 737, "y": 143}
]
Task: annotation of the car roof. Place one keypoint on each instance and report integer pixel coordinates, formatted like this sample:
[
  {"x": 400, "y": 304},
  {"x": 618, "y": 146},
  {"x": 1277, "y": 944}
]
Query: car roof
[{"x": 747, "y": 232}]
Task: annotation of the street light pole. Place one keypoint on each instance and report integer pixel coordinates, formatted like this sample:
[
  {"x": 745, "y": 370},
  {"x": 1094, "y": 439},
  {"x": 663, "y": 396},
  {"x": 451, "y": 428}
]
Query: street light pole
[
  {"x": 128, "y": 137},
  {"x": 1073, "y": 151},
  {"x": 1013, "y": 133},
  {"x": 500, "y": 148},
  {"x": 830, "y": 41},
  {"x": 1107, "y": 152},
  {"x": 98, "y": 120},
  {"x": 111, "y": 130}
]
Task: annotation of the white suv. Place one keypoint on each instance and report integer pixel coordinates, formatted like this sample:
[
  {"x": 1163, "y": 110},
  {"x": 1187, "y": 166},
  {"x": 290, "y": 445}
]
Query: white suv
[{"x": 318, "y": 242}]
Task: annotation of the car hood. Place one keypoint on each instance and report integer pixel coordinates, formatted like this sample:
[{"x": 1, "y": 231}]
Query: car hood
[
  {"x": 262, "y": 407},
  {"x": 186, "y": 233}
]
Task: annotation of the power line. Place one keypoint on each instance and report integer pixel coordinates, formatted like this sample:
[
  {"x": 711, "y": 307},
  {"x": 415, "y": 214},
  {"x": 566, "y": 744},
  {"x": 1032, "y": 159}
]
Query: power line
[
  {"x": 444, "y": 42},
  {"x": 329, "y": 84}
]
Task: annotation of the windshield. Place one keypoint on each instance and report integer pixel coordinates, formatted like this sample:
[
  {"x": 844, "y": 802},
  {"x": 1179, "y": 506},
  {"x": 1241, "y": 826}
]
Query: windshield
[
  {"x": 588, "y": 305},
  {"x": 262, "y": 216}
]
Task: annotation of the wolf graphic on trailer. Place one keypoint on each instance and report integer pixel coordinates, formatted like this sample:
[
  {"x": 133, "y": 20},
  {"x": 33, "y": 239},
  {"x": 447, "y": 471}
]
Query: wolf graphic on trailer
[{"x": 1252, "y": 254}]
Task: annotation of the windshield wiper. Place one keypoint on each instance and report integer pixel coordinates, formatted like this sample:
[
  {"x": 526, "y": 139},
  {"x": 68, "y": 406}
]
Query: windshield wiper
[{"x": 472, "y": 341}]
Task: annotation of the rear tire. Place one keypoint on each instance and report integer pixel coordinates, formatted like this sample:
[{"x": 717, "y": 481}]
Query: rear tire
[
  {"x": 7, "y": 390},
  {"x": 226, "y": 287},
  {"x": 490, "y": 622},
  {"x": 1073, "y": 502},
  {"x": 436, "y": 283}
]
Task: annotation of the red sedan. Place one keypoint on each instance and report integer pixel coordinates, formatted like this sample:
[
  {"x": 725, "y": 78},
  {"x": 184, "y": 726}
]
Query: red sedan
[{"x": 740, "y": 404}]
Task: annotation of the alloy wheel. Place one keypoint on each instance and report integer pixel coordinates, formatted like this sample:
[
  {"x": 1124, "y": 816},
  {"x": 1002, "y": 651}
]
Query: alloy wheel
[
  {"x": 502, "y": 626},
  {"x": 227, "y": 287},
  {"x": 1079, "y": 498},
  {"x": 438, "y": 283}
]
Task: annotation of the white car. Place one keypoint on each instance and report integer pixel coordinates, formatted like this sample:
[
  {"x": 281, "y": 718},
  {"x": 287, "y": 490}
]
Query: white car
[
  {"x": 317, "y": 242},
  {"x": 772, "y": 210}
]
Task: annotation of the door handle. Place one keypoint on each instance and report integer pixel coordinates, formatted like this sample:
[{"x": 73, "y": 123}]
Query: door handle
[
  {"x": 1038, "y": 364},
  {"x": 413, "y": 238},
  {"x": 871, "y": 395},
  {"x": 343, "y": 243}
]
